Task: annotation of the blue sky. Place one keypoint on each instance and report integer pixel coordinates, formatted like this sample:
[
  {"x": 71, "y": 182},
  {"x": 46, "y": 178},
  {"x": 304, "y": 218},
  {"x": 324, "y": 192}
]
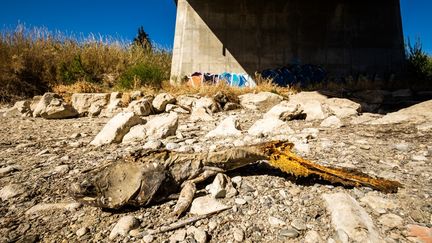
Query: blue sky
[{"x": 122, "y": 18}]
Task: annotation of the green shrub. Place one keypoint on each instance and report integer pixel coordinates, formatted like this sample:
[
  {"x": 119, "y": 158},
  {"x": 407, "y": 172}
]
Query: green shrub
[
  {"x": 71, "y": 71},
  {"x": 419, "y": 64},
  {"x": 140, "y": 75}
]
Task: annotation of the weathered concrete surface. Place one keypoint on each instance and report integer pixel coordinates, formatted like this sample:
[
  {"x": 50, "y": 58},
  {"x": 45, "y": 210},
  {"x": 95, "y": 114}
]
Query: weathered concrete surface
[{"x": 251, "y": 35}]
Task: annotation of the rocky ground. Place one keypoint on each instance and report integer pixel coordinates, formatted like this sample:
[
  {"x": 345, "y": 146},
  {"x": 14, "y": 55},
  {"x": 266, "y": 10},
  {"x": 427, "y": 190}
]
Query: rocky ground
[{"x": 40, "y": 158}]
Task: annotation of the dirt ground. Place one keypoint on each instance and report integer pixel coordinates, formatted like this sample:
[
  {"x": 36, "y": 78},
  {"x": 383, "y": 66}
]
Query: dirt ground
[{"x": 44, "y": 157}]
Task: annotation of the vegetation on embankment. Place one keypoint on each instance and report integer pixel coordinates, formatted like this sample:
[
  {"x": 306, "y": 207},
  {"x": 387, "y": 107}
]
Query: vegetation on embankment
[{"x": 33, "y": 61}]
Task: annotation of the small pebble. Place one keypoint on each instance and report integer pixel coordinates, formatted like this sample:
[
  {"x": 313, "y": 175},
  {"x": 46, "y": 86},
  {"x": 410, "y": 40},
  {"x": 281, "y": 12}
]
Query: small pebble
[
  {"x": 238, "y": 235},
  {"x": 148, "y": 238},
  {"x": 298, "y": 224},
  {"x": 82, "y": 231},
  {"x": 290, "y": 233},
  {"x": 240, "y": 201}
]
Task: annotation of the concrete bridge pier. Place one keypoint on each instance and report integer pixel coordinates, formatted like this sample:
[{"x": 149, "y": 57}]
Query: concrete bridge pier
[{"x": 245, "y": 36}]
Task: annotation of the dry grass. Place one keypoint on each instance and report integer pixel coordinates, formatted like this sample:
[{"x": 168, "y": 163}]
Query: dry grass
[{"x": 34, "y": 61}]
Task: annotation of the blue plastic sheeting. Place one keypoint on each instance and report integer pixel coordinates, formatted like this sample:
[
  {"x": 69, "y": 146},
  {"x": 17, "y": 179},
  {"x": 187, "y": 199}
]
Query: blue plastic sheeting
[
  {"x": 232, "y": 79},
  {"x": 302, "y": 75}
]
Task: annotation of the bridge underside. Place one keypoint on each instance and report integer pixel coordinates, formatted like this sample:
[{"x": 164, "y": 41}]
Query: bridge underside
[{"x": 245, "y": 36}]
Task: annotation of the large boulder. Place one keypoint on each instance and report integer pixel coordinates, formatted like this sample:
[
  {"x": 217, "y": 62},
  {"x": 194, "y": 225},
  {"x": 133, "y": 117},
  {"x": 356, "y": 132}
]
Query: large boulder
[
  {"x": 141, "y": 107},
  {"x": 158, "y": 127},
  {"x": 343, "y": 107},
  {"x": 227, "y": 128},
  {"x": 114, "y": 106},
  {"x": 207, "y": 103},
  {"x": 332, "y": 122},
  {"x": 162, "y": 100},
  {"x": 162, "y": 126},
  {"x": 312, "y": 105},
  {"x": 20, "y": 109},
  {"x": 52, "y": 106},
  {"x": 187, "y": 100},
  {"x": 116, "y": 128},
  {"x": 285, "y": 111},
  {"x": 262, "y": 101},
  {"x": 200, "y": 114},
  {"x": 270, "y": 126},
  {"x": 83, "y": 101},
  {"x": 34, "y": 102},
  {"x": 415, "y": 114}
]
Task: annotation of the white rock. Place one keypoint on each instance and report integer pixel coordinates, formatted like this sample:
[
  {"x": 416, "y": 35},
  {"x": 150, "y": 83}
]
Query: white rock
[
  {"x": 137, "y": 133},
  {"x": 82, "y": 231},
  {"x": 312, "y": 237},
  {"x": 11, "y": 191},
  {"x": 205, "y": 205},
  {"x": 331, "y": 122},
  {"x": 34, "y": 102},
  {"x": 52, "y": 106},
  {"x": 240, "y": 201},
  {"x": 83, "y": 101},
  {"x": 364, "y": 118},
  {"x": 162, "y": 126},
  {"x": 391, "y": 220},
  {"x": 148, "y": 238},
  {"x": 239, "y": 235},
  {"x": 349, "y": 217},
  {"x": 153, "y": 145},
  {"x": 312, "y": 104},
  {"x": 276, "y": 222},
  {"x": 227, "y": 128},
  {"x": 114, "y": 105},
  {"x": 162, "y": 100},
  {"x": 377, "y": 203},
  {"x": 222, "y": 187},
  {"x": 417, "y": 114},
  {"x": 177, "y": 109},
  {"x": 403, "y": 147},
  {"x": 178, "y": 236},
  {"x": 116, "y": 128},
  {"x": 206, "y": 103},
  {"x": 262, "y": 101},
  {"x": 123, "y": 226},
  {"x": 343, "y": 107},
  {"x": 41, "y": 207},
  {"x": 95, "y": 110},
  {"x": 419, "y": 158},
  {"x": 298, "y": 224},
  {"x": 285, "y": 111},
  {"x": 199, "y": 235},
  {"x": 187, "y": 100},
  {"x": 61, "y": 169},
  {"x": 270, "y": 126},
  {"x": 20, "y": 108},
  {"x": 200, "y": 114},
  {"x": 141, "y": 107}
]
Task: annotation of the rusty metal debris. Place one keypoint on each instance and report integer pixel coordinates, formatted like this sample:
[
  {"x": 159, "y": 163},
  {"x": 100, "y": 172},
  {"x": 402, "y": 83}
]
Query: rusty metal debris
[{"x": 150, "y": 176}]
